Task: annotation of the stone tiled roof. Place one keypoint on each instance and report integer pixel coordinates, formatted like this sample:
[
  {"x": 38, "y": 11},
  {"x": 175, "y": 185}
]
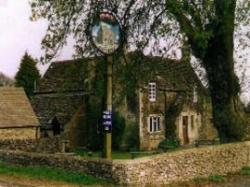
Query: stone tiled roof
[
  {"x": 170, "y": 74},
  {"x": 70, "y": 75},
  {"x": 63, "y": 76},
  {"x": 15, "y": 109},
  {"x": 176, "y": 74},
  {"x": 60, "y": 74}
]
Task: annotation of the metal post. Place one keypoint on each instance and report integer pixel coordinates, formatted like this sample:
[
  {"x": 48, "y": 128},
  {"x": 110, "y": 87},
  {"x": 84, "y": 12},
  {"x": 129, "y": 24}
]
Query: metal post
[{"x": 108, "y": 135}]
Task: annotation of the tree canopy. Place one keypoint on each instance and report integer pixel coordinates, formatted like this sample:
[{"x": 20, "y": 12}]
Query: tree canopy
[
  {"x": 28, "y": 75},
  {"x": 159, "y": 26},
  {"x": 5, "y": 80}
]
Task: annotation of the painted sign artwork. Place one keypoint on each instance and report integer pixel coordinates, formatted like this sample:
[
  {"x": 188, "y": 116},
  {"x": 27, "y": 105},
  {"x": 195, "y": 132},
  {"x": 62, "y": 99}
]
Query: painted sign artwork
[{"x": 106, "y": 33}]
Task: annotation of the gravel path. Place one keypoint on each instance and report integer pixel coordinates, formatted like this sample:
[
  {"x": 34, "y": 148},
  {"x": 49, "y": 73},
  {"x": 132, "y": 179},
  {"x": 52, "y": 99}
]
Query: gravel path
[
  {"x": 232, "y": 181},
  {"x": 12, "y": 181}
]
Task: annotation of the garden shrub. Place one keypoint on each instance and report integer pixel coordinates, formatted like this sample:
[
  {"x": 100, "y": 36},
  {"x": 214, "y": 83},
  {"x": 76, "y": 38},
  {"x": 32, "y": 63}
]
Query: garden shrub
[
  {"x": 168, "y": 144},
  {"x": 118, "y": 130},
  {"x": 131, "y": 136}
]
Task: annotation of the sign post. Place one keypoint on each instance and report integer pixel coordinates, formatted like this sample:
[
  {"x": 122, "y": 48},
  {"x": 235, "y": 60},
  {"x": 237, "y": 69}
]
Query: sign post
[{"x": 106, "y": 37}]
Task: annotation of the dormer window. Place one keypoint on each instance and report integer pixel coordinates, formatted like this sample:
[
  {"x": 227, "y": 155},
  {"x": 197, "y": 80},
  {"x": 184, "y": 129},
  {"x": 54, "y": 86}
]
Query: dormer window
[{"x": 152, "y": 91}]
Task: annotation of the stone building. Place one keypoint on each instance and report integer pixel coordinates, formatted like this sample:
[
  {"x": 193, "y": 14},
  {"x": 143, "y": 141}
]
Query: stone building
[
  {"x": 17, "y": 118},
  {"x": 170, "y": 103},
  {"x": 59, "y": 100},
  {"x": 173, "y": 104}
]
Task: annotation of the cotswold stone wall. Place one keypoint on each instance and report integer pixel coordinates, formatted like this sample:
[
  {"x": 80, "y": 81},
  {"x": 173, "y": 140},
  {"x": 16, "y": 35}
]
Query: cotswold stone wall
[
  {"x": 19, "y": 133},
  {"x": 99, "y": 168},
  {"x": 187, "y": 164},
  {"x": 48, "y": 145},
  {"x": 154, "y": 170}
]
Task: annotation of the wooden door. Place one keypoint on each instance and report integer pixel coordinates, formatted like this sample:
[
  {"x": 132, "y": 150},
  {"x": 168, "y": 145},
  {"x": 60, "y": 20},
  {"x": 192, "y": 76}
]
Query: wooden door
[{"x": 185, "y": 129}]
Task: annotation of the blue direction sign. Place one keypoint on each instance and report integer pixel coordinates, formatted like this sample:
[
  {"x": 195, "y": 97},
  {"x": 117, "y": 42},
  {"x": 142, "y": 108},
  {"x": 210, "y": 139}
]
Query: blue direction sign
[{"x": 107, "y": 121}]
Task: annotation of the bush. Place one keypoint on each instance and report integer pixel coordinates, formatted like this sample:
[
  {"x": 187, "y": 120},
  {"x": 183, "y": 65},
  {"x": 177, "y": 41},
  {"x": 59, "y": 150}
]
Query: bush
[
  {"x": 118, "y": 130},
  {"x": 131, "y": 136},
  {"x": 168, "y": 144}
]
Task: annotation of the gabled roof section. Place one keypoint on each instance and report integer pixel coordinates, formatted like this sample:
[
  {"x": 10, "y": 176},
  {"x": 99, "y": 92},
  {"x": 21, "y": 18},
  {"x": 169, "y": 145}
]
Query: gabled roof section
[
  {"x": 15, "y": 109},
  {"x": 66, "y": 76},
  {"x": 70, "y": 75},
  {"x": 63, "y": 75},
  {"x": 171, "y": 74}
]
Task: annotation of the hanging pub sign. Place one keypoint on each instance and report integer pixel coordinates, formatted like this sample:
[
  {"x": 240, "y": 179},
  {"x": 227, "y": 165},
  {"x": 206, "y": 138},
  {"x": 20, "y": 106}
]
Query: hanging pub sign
[
  {"x": 106, "y": 33},
  {"x": 107, "y": 121}
]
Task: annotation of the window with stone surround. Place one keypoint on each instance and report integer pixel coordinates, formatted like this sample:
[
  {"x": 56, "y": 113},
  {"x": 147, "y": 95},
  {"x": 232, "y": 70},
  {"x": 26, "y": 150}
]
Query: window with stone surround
[
  {"x": 195, "y": 94},
  {"x": 152, "y": 91},
  {"x": 154, "y": 123}
]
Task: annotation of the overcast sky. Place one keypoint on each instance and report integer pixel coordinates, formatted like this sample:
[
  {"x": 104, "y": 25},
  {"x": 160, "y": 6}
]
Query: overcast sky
[{"x": 18, "y": 34}]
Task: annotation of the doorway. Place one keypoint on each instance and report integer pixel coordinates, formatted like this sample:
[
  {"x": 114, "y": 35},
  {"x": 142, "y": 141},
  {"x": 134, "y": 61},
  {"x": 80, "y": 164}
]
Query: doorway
[
  {"x": 56, "y": 126},
  {"x": 185, "y": 130}
]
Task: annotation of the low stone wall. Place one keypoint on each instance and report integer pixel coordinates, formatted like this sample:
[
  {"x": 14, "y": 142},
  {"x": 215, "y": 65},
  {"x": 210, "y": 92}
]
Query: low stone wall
[
  {"x": 48, "y": 145},
  {"x": 155, "y": 170},
  {"x": 187, "y": 164},
  {"x": 100, "y": 168}
]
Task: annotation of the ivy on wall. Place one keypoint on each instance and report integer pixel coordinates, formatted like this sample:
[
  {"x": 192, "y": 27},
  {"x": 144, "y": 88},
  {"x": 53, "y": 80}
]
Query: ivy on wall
[{"x": 172, "y": 112}]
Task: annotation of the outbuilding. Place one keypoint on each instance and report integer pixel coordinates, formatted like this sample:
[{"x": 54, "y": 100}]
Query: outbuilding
[{"x": 18, "y": 121}]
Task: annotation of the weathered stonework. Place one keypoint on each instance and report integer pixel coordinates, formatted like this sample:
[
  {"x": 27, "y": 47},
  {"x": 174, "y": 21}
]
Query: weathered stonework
[
  {"x": 152, "y": 171},
  {"x": 187, "y": 164},
  {"x": 75, "y": 129},
  {"x": 17, "y": 118},
  {"x": 193, "y": 130},
  {"x": 198, "y": 120},
  {"x": 43, "y": 145},
  {"x": 19, "y": 133},
  {"x": 60, "y": 105}
]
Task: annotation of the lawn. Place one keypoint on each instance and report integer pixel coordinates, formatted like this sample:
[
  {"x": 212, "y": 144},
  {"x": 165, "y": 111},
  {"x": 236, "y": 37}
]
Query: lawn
[{"x": 51, "y": 174}]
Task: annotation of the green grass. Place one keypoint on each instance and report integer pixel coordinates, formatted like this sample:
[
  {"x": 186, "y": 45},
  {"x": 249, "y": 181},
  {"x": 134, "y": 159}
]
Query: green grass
[
  {"x": 245, "y": 171},
  {"x": 52, "y": 174},
  {"x": 217, "y": 178}
]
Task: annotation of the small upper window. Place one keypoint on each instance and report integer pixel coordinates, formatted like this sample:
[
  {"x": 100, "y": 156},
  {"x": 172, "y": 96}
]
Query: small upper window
[
  {"x": 195, "y": 95},
  {"x": 154, "y": 124},
  {"x": 152, "y": 91}
]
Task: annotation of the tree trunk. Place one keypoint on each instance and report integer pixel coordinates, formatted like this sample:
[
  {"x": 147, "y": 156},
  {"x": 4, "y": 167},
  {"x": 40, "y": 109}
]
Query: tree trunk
[
  {"x": 223, "y": 87},
  {"x": 223, "y": 83}
]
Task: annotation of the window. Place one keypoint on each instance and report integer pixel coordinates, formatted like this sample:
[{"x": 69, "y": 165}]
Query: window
[
  {"x": 154, "y": 124},
  {"x": 192, "y": 122},
  {"x": 152, "y": 91},
  {"x": 195, "y": 95}
]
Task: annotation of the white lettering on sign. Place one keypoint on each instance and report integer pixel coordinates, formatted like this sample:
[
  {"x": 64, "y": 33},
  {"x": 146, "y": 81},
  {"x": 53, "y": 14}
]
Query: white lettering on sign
[
  {"x": 107, "y": 117},
  {"x": 107, "y": 123}
]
